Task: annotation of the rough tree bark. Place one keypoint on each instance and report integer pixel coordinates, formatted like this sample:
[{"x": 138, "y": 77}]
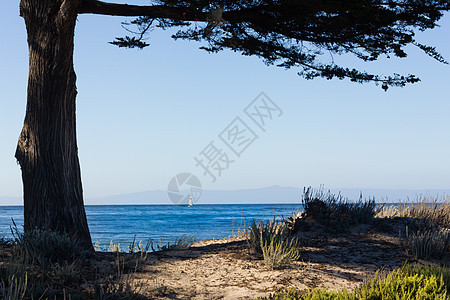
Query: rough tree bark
[{"x": 47, "y": 149}]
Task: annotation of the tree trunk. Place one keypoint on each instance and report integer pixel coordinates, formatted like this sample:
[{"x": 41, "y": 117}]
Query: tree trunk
[{"x": 47, "y": 149}]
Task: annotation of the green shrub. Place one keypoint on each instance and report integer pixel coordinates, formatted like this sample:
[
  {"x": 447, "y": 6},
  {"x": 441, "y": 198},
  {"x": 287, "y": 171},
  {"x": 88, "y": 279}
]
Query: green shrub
[
  {"x": 429, "y": 270},
  {"x": 261, "y": 233},
  {"x": 273, "y": 242},
  {"x": 406, "y": 283},
  {"x": 43, "y": 247},
  {"x": 280, "y": 252},
  {"x": 316, "y": 294},
  {"x": 254, "y": 237},
  {"x": 289, "y": 294},
  {"x": 334, "y": 211}
]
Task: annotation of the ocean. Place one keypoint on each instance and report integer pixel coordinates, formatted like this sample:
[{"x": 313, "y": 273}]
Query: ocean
[{"x": 162, "y": 223}]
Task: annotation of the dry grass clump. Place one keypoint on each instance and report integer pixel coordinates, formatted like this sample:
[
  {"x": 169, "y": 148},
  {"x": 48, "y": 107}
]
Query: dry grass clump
[
  {"x": 431, "y": 243},
  {"x": 433, "y": 210},
  {"x": 335, "y": 212},
  {"x": 427, "y": 233},
  {"x": 122, "y": 283},
  {"x": 14, "y": 288},
  {"x": 183, "y": 242},
  {"x": 272, "y": 241},
  {"x": 260, "y": 233},
  {"x": 280, "y": 253}
]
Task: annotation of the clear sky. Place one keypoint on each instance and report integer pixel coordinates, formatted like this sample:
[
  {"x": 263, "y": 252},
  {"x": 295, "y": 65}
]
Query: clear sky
[{"x": 143, "y": 115}]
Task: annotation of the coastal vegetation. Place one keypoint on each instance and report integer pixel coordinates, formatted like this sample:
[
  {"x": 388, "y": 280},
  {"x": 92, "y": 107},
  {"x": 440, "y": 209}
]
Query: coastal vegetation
[
  {"x": 427, "y": 231},
  {"x": 42, "y": 264},
  {"x": 424, "y": 235},
  {"x": 408, "y": 282},
  {"x": 273, "y": 241},
  {"x": 335, "y": 212}
]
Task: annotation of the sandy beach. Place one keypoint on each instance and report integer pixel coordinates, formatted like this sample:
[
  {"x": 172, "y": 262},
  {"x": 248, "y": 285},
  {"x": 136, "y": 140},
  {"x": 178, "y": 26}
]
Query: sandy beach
[{"x": 224, "y": 269}]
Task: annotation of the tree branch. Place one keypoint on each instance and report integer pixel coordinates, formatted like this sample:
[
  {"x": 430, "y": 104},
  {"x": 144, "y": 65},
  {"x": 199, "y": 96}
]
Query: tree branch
[{"x": 153, "y": 11}]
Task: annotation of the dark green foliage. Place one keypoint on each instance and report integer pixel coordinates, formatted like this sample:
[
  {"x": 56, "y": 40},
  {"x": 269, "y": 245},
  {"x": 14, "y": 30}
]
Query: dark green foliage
[
  {"x": 13, "y": 288},
  {"x": 305, "y": 34},
  {"x": 129, "y": 42},
  {"x": 334, "y": 211}
]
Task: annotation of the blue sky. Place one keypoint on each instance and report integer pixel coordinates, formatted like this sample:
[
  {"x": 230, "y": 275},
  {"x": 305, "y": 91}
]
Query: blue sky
[{"x": 144, "y": 114}]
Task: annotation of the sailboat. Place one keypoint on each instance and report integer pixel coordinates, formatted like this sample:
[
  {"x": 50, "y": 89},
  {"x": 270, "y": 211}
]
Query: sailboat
[{"x": 190, "y": 201}]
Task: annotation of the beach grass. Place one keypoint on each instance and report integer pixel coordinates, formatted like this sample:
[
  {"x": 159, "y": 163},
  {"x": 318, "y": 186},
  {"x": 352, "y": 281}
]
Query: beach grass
[
  {"x": 433, "y": 210},
  {"x": 273, "y": 242},
  {"x": 427, "y": 231}
]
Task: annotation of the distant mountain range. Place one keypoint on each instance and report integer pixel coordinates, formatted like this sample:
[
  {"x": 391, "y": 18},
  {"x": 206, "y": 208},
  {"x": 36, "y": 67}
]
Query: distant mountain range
[{"x": 272, "y": 194}]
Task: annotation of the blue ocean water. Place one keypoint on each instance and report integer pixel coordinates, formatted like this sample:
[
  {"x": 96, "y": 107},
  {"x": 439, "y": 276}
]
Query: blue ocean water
[{"x": 162, "y": 223}]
